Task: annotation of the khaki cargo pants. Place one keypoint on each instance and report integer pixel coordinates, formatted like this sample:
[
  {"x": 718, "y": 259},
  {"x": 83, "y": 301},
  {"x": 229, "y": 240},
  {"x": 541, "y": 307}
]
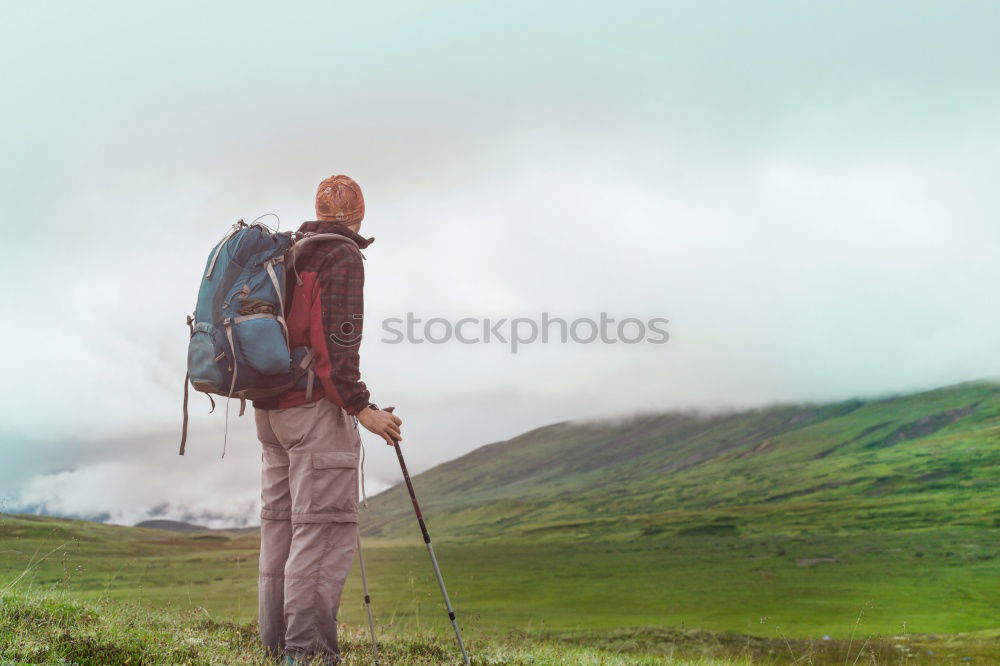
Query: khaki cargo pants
[{"x": 309, "y": 515}]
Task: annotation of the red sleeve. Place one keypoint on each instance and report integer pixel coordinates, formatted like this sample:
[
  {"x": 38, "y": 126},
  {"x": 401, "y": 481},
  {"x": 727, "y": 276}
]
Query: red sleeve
[{"x": 336, "y": 317}]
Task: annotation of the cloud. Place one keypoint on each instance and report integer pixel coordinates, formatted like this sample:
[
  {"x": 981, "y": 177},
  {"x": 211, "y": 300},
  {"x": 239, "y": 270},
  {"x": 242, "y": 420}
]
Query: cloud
[
  {"x": 783, "y": 280},
  {"x": 808, "y": 201},
  {"x": 125, "y": 493},
  {"x": 142, "y": 478}
]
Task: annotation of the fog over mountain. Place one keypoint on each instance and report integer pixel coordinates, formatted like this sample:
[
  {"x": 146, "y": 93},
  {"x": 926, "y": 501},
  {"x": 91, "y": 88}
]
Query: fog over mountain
[{"x": 807, "y": 194}]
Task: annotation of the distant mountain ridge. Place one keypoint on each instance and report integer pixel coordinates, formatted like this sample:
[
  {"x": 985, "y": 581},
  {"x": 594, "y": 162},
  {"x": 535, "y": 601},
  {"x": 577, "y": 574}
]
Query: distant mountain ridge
[
  {"x": 902, "y": 462},
  {"x": 171, "y": 525}
]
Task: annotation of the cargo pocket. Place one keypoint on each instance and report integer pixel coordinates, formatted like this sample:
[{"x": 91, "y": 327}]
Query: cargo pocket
[{"x": 334, "y": 487}]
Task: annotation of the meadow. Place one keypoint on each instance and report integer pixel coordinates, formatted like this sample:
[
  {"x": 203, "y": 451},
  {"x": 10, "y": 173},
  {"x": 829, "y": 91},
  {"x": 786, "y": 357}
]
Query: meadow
[
  {"x": 909, "y": 597},
  {"x": 847, "y": 533}
]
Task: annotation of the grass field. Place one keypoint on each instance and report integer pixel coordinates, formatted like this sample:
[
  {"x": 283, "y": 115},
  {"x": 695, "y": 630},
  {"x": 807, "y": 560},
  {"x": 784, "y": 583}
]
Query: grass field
[
  {"x": 59, "y": 629},
  {"x": 692, "y": 596},
  {"x": 858, "y": 532}
]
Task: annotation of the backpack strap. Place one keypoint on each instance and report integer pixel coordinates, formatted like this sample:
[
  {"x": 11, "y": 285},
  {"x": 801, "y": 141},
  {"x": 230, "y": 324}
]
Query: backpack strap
[
  {"x": 308, "y": 237},
  {"x": 310, "y": 380},
  {"x": 184, "y": 426},
  {"x": 269, "y": 267},
  {"x": 228, "y": 324}
]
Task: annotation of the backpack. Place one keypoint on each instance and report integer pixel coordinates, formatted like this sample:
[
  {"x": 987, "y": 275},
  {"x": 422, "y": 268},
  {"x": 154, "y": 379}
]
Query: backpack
[{"x": 239, "y": 340}]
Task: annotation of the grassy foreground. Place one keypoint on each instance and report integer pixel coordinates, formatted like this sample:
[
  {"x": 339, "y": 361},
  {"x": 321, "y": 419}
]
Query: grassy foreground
[
  {"x": 54, "y": 629},
  {"x": 47, "y": 629},
  {"x": 89, "y": 593}
]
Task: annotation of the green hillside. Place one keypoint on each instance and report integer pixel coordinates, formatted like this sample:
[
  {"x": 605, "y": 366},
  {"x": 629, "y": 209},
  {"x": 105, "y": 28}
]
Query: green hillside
[{"x": 910, "y": 462}]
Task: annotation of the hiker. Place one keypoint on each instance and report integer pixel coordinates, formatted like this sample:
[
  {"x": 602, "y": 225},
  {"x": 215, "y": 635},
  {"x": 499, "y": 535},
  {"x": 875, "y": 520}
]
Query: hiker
[{"x": 311, "y": 442}]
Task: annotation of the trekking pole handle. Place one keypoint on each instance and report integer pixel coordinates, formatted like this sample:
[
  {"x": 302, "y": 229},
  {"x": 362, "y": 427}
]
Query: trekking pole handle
[{"x": 395, "y": 442}]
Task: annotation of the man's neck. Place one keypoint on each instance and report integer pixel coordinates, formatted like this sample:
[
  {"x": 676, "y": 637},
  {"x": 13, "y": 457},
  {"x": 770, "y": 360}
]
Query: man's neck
[{"x": 355, "y": 227}]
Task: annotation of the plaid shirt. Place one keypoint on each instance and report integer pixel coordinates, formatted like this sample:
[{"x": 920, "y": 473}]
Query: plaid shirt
[{"x": 326, "y": 313}]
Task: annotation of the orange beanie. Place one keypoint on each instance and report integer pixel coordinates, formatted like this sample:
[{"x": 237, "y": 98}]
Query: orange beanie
[{"x": 339, "y": 199}]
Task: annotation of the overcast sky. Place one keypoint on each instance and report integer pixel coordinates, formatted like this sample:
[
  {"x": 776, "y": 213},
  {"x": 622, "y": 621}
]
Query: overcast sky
[{"x": 806, "y": 191}]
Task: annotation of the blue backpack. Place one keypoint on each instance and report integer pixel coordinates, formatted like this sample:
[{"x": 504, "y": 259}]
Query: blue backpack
[{"x": 239, "y": 340}]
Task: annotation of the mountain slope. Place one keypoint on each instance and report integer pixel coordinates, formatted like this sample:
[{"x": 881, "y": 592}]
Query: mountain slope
[
  {"x": 171, "y": 525},
  {"x": 912, "y": 461}
]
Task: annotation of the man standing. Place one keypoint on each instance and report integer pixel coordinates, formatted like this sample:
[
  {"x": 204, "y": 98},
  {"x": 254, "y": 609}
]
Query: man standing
[{"x": 309, "y": 479}]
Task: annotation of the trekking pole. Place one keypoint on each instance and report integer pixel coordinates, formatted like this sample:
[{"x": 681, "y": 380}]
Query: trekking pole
[
  {"x": 430, "y": 549},
  {"x": 368, "y": 600}
]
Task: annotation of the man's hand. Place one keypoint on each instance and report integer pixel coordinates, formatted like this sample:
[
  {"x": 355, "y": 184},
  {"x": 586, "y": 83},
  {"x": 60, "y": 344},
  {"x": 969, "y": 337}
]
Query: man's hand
[{"x": 381, "y": 423}]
